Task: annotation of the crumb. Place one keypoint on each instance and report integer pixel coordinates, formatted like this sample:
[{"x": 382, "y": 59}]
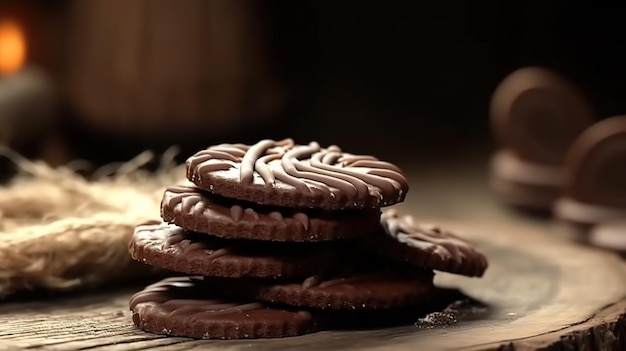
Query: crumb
[
  {"x": 436, "y": 319},
  {"x": 448, "y": 316}
]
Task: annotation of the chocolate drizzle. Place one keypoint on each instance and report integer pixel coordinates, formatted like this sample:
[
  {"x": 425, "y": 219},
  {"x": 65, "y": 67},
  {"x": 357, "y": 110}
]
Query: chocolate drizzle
[
  {"x": 175, "y": 238},
  {"x": 173, "y": 248},
  {"x": 310, "y": 169},
  {"x": 196, "y": 210},
  {"x": 192, "y": 201},
  {"x": 426, "y": 237},
  {"x": 404, "y": 240}
]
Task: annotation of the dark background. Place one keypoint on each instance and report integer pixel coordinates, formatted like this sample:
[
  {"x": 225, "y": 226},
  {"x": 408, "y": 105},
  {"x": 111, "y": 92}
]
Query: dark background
[
  {"x": 420, "y": 74},
  {"x": 404, "y": 78}
]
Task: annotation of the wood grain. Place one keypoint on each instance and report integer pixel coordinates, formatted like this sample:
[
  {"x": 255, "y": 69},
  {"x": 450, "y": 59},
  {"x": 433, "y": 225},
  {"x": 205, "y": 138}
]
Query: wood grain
[
  {"x": 540, "y": 293},
  {"x": 537, "y": 291}
]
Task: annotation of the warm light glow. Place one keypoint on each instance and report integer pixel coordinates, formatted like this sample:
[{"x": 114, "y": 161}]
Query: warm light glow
[{"x": 12, "y": 47}]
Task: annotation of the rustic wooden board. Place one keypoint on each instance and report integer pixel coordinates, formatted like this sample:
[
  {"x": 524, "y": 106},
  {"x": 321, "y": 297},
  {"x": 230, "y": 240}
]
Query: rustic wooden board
[
  {"x": 540, "y": 293},
  {"x": 537, "y": 289}
]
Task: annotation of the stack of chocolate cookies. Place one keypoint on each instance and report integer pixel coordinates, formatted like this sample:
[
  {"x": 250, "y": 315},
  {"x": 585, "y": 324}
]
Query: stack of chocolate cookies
[{"x": 274, "y": 238}]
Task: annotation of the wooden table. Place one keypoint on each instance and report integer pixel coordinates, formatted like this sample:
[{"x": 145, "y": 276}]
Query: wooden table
[{"x": 540, "y": 292}]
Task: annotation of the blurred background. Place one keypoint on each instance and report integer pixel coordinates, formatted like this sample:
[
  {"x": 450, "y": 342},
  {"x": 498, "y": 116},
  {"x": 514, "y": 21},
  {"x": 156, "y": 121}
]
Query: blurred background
[{"x": 409, "y": 81}]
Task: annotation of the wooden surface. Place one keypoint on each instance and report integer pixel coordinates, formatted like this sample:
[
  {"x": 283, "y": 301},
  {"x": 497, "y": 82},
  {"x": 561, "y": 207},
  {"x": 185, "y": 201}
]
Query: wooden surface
[{"x": 540, "y": 292}]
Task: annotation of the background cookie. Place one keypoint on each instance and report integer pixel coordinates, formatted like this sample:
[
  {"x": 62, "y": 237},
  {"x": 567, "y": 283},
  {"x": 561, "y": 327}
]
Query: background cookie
[
  {"x": 281, "y": 173},
  {"x": 402, "y": 239},
  {"x": 186, "y": 307},
  {"x": 170, "y": 247},
  {"x": 595, "y": 190},
  {"x": 536, "y": 115},
  {"x": 197, "y": 210},
  {"x": 365, "y": 290}
]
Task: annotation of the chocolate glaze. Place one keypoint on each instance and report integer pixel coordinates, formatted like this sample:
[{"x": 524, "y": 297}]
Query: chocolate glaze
[
  {"x": 191, "y": 200},
  {"x": 309, "y": 169},
  {"x": 186, "y": 307},
  {"x": 426, "y": 237},
  {"x": 197, "y": 210},
  {"x": 357, "y": 290},
  {"x": 402, "y": 239},
  {"x": 170, "y": 247},
  {"x": 349, "y": 282}
]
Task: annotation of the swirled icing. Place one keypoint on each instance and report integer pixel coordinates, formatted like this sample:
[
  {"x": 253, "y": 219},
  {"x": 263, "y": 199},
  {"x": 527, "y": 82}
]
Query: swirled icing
[
  {"x": 428, "y": 238},
  {"x": 190, "y": 200},
  {"x": 196, "y": 210},
  {"x": 306, "y": 168},
  {"x": 170, "y": 237}
]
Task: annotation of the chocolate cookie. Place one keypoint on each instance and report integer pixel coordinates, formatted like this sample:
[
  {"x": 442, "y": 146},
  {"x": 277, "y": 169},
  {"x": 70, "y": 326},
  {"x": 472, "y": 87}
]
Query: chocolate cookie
[
  {"x": 536, "y": 115},
  {"x": 187, "y": 307},
  {"x": 595, "y": 190},
  {"x": 197, "y": 210},
  {"x": 172, "y": 248},
  {"x": 402, "y": 239},
  {"x": 281, "y": 173},
  {"x": 364, "y": 290}
]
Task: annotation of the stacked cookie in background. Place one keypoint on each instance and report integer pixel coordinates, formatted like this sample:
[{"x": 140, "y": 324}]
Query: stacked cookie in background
[
  {"x": 274, "y": 237},
  {"x": 536, "y": 115},
  {"x": 558, "y": 157},
  {"x": 592, "y": 207}
]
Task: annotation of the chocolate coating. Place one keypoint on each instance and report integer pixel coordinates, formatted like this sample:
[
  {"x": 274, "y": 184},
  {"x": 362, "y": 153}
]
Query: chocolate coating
[
  {"x": 402, "y": 239},
  {"x": 197, "y": 210},
  {"x": 173, "y": 248},
  {"x": 352, "y": 291},
  {"x": 187, "y": 307},
  {"x": 596, "y": 165},
  {"x": 537, "y": 114},
  {"x": 281, "y": 173}
]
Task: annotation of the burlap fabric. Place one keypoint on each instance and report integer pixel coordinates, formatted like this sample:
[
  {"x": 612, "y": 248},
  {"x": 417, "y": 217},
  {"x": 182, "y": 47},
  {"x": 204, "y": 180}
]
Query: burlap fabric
[{"x": 59, "y": 231}]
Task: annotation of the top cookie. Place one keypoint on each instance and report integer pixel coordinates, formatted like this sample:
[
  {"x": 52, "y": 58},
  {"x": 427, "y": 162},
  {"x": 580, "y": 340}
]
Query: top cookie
[{"x": 281, "y": 173}]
